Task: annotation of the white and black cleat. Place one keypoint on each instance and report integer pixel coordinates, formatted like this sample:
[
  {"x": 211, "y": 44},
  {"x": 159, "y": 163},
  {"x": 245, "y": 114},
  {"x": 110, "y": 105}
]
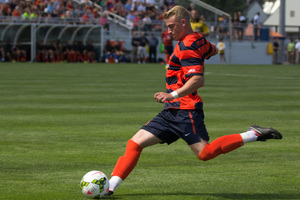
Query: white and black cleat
[{"x": 265, "y": 133}]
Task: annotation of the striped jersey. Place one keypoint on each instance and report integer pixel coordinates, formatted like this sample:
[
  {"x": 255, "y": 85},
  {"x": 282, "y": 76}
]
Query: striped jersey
[
  {"x": 187, "y": 60},
  {"x": 167, "y": 38}
]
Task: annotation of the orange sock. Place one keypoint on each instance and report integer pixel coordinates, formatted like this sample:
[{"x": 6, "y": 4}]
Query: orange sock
[
  {"x": 221, "y": 145},
  {"x": 127, "y": 162}
]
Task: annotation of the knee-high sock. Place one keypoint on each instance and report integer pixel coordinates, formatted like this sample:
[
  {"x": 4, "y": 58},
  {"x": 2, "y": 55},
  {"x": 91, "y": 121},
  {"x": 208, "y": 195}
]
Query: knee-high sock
[
  {"x": 221, "y": 145},
  {"x": 127, "y": 162}
]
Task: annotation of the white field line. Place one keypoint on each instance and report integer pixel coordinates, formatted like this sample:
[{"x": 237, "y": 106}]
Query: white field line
[{"x": 252, "y": 76}]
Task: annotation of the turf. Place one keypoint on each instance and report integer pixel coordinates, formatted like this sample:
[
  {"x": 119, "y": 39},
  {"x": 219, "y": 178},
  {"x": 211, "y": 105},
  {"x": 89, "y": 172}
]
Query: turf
[{"x": 59, "y": 121}]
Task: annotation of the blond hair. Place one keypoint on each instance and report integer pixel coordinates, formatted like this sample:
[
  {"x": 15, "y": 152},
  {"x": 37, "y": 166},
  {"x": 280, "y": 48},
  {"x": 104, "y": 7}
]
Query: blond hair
[{"x": 179, "y": 12}]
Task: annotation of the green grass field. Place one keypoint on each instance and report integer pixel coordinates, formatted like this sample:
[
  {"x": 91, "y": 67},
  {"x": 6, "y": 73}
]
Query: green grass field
[{"x": 59, "y": 121}]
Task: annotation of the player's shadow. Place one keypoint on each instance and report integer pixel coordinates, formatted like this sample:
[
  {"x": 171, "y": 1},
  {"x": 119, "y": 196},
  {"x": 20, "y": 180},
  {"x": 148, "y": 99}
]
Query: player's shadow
[{"x": 263, "y": 196}]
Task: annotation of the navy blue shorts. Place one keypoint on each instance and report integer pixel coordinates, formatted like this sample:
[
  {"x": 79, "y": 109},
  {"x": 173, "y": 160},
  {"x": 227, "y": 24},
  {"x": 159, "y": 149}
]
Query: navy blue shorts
[{"x": 172, "y": 124}]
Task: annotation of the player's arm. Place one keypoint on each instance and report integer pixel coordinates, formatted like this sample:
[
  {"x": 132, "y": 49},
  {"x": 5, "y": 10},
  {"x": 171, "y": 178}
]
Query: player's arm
[{"x": 190, "y": 86}]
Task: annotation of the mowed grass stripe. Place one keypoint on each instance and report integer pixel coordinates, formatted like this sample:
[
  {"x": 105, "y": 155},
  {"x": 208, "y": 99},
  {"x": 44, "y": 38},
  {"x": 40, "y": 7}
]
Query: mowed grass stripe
[{"x": 58, "y": 121}]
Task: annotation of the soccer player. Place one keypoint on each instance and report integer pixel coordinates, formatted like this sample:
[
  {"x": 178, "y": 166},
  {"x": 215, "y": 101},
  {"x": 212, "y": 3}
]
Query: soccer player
[
  {"x": 182, "y": 116},
  {"x": 167, "y": 40}
]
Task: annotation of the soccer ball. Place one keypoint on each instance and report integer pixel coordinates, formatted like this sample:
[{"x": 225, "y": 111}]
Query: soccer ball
[{"x": 94, "y": 185}]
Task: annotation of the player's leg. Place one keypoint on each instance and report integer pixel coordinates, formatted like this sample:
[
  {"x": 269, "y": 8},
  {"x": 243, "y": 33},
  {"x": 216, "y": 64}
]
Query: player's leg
[
  {"x": 126, "y": 163},
  {"x": 227, "y": 143}
]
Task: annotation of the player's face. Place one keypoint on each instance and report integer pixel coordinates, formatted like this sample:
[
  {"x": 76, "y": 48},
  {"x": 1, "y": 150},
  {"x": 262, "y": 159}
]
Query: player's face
[{"x": 175, "y": 28}]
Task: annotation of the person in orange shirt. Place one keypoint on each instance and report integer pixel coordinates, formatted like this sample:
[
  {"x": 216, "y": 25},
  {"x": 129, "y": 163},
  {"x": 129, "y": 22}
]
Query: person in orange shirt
[
  {"x": 182, "y": 116},
  {"x": 167, "y": 40},
  {"x": 17, "y": 13}
]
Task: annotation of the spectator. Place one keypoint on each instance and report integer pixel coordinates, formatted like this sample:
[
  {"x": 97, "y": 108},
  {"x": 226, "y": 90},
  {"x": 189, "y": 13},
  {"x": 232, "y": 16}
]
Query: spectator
[
  {"x": 275, "y": 49},
  {"x": 50, "y": 7},
  {"x": 120, "y": 51},
  {"x": 291, "y": 52},
  {"x": 109, "y": 53},
  {"x": 6, "y": 9},
  {"x": 119, "y": 9},
  {"x": 33, "y": 15},
  {"x": 13, "y": 4},
  {"x": 90, "y": 52},
  {"x": 223, "y": 27},
  {"x": 147, "y": 23},
  {"x": 137, "y": 21},
  {"x": 153, "y": 42},
  {"x": 134, "y": 5},
  {"x": 141, "y": 8},
  {"x": 40, "y": 54},
  {"x": 221, "y": 48},
  {"x": 104, "y": 22},
  {"x": 142, "y": 57},
  {"x": 205, "y": 30},
  {"x": 110, "y": 6},
  {"x": 69, "y": 52},
  {"x": 256, "y": 24},
  {"x": 235, "y": 25},
  {"x": 60, "y": 49},
  {"x": 69, "y": 5},
  {"x": 130, "y": 18},
  {"x": 77, "y": 57},
  {"x": 242, "y": 25},
  {"x": 86, "y": 18},
  {"x": 168, "y": 45},
  {"x": 8, "y": 50},
  {"x": 80, "y": 51},
  {"x": 19, "y": 52},
  {"x": 26, "y": 14},
  {"x": 17, "y": 14},
  {"x": 53, "y": 50},
  {"x": 128, "y": 6},
  {"x": 135, "y": 41},
  {"x": 2, "y": 52},
  {"x": 198, "y": 24},
  {"x": 95, "y": 13},
  {"x": 49, "y": 53},
  {"x": 191, "y": 7},
  {"x": 298, "y": 51},
  {"x": 41, "y": 4}
]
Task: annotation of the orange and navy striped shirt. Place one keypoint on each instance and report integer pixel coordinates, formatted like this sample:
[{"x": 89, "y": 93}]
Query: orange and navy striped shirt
[{"x": 186, "y": 61}]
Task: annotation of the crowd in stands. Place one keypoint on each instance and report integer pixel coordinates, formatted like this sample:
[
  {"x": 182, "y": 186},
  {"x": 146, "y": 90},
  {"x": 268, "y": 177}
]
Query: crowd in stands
[
  {"x": 137, "y": 12},
  {"x": 141, "y": 15}
]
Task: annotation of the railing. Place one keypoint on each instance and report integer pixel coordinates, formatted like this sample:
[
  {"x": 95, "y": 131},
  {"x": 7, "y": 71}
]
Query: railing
[{"x": 240, "y": 31}]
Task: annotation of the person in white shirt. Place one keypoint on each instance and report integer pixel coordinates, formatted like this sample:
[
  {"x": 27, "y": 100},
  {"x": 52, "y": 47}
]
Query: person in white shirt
[
  {"x": 221, "y": 49},
  {"x": 256, "y": 25}
]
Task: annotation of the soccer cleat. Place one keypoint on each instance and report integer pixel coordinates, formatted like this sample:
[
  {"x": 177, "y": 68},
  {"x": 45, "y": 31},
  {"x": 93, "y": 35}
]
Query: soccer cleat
[
  {"x": 109, "y": 193},
  {"x": 265, "y": 133}
]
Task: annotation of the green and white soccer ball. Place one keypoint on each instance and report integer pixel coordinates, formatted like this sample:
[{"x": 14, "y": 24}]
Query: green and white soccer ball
[{"x": 94, "y": 184}]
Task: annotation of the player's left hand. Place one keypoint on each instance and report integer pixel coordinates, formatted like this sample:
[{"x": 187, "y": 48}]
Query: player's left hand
[{"x": 162, "y": 97}]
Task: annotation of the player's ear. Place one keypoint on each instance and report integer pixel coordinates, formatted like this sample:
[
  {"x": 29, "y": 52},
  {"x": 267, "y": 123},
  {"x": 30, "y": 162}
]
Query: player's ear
[{"x": 183, "y": 21}]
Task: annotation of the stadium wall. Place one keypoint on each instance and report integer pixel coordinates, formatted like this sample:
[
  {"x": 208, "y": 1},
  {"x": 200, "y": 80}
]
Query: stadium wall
[{"x": 239, "y": 52}]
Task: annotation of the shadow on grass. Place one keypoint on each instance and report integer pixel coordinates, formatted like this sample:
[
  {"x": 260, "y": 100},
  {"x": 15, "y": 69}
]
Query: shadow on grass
[{"x": 217, "y": 195}]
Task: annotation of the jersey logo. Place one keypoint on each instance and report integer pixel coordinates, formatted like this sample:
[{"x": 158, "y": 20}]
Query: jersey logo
[{"x": 191, "y": 71}]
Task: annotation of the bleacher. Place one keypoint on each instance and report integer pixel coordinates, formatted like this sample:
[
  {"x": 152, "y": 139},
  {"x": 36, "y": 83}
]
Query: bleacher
[{"x": 45, "y": 28}]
